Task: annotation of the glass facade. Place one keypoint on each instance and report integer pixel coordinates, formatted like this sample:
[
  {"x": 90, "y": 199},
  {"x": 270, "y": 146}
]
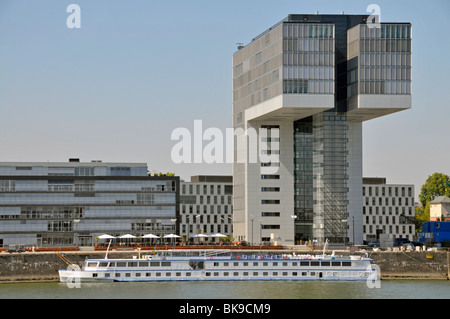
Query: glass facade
[
  {"x": 330, "y": 176},
  {"x": 303, "y": 178},
  {"x": 384, "y": 60},
  {"x": 258, "y": 77},
  {"x": 320, "y": 177},
  {"x": 308, "y": 58},
  {"x": 73, "y": 205}
]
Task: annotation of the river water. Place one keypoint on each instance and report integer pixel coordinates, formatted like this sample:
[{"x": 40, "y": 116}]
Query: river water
[{"x": 387, "y": 289}]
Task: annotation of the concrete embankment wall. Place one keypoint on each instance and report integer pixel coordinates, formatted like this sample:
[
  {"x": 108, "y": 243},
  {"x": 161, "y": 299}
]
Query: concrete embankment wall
[
  {"x": 30, "y": 267},
  {"x": 44, "y": 266},
  {"x": 412, "y": 265}
]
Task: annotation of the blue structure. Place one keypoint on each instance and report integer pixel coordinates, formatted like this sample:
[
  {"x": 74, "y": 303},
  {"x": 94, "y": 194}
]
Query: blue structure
[{"x": 434, "y": 232}]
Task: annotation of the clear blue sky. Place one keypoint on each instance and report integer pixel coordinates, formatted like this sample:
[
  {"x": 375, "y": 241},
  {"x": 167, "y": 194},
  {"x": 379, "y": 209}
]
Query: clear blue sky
[{"x": 116, "y": 88}]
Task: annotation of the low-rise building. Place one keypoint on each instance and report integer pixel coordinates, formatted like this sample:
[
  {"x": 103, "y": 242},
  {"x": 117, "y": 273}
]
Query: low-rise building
[
  {"x": 72, "y": 203},
  {"x": 440, "y": 209},
  {"x": 206, "y": 206},
  {"x": 388, "y": 210}
]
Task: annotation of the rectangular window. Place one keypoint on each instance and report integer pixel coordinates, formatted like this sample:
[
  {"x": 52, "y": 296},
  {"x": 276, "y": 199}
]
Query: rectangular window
[
  {"x": 24, "y": 168},
  {"x": 258, "y": 58},
  {"x": 270, "y": 189},
  {"x": 270, "y": 201},
  {"x": 270, "y": 226},
  {"x": 347, "y": 263},
  {"x": 336, "y": 263},
  {"x": 120, "y": 171},
  {"x": 270, "y": 176},
  {"x": 270, "y": 214},
  {"x": 295, "y": 86},
  {"x": 238, "y": 70}
]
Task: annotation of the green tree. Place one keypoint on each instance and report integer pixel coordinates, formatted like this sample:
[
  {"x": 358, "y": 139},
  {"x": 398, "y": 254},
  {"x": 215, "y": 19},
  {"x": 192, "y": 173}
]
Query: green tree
[
  {"x": 422, "y": 214},
  {"x": 435, "y": 185}
]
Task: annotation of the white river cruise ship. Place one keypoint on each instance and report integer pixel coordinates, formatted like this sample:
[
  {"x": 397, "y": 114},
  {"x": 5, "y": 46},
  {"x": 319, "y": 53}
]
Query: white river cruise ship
[{"x": 222, "y": 265}]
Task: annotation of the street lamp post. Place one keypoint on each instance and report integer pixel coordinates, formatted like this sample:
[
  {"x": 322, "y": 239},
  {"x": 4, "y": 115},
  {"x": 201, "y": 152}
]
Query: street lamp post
[
  {"x": 252, "y": 218},
  {"x": 75, "y": 223},
  {"x": 294, "y": 217},
  {"x": 353, "y": 228},
  {"x": 260, "y": 234}
]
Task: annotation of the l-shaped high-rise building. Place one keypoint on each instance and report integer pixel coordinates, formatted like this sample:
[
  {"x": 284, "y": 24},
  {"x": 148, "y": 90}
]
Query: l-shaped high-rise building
[{"x": 311, "y": 81}]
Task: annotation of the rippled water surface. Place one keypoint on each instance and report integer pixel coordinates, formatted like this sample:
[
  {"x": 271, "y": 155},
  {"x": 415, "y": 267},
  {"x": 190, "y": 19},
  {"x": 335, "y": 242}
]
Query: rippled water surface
[{"x": 230, "y": 290}]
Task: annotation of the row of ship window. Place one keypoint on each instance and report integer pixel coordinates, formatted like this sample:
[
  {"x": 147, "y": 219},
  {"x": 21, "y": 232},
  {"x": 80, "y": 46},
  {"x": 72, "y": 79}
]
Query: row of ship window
[
  {"x": 217, "y": 274},
  {"x": 224, "y": 264},
  {"x": 290, "y": 264}
]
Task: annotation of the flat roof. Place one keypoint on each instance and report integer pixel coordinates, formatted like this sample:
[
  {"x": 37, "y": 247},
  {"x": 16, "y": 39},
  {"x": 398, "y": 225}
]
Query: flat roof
[
  {"x": 212, "y": 178},
  {"x": 355, "y": 19},
  {"x": 70, "y": 164}
]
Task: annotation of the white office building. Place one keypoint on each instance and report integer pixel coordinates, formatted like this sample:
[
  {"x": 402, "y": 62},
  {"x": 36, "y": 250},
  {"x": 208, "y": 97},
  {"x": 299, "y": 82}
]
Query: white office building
[
  {"x": 206, "y": 207},
  {"x": 388, "y": 210},
  {"x": 304, "y": 87},
  {"x": 54, "y": 204}
]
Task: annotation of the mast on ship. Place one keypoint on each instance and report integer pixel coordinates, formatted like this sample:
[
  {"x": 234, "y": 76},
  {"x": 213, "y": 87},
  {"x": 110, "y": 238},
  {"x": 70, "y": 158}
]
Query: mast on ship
[
  {"x": 325, "y": 247},
  {"x": 106, "y": 256}
]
